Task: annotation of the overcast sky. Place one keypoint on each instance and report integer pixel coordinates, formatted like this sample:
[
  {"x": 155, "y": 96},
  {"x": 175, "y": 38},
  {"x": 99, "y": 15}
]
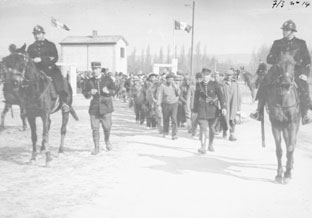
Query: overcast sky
[{"x": 222, "y": 26}]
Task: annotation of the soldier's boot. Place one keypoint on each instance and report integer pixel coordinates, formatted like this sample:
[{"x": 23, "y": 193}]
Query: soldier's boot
[
  {"x": 107, "y": 141},
  {"x": 232, "y": 137},
  {"x": 305, "y": 104},
  {"x": 64, "y": 100},
  {"x": 96, "y": 140},
  {"x": 211, "y": 138}
]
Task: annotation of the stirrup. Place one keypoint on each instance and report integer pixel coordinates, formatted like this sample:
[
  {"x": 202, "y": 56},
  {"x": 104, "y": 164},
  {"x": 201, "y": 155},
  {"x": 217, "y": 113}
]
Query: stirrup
[
  {"x": 306, "y": 120},
  {"x": 65, "y": 107},
  {"x": 255, "y": 116}
]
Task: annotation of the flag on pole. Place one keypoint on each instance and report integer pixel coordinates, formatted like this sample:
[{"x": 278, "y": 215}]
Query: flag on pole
[
  {"x": 178, "y": 25},
  {"x": 58, "y": 24}
]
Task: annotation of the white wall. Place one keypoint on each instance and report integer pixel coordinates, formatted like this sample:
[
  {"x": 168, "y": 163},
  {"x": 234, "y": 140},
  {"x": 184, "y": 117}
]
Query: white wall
[
  {"x": 108, "y": 55},
  {"x": 104, "y": 54},
  {"x": 76, "y": 54}
]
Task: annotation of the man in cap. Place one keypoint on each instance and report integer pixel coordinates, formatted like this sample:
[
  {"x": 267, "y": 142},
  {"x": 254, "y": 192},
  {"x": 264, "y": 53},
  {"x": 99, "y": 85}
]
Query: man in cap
[
  {"x": 232, "y": 102},
  {"x": 101, "y": 88},
  {"x": 289, "y": 43},
  {"x": 168, "y": 97},
  {"x": 208, "y": 94},
  {"x": 198, "y": 80},
  {"x": 44, "y": 54}
]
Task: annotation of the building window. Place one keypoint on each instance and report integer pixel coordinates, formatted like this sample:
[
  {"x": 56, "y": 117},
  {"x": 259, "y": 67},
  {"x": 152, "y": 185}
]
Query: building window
[{"x": 122, "y": 52}]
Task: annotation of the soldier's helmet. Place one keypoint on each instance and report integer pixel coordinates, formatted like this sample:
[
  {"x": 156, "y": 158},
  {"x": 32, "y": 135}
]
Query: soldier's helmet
[
  {"x": 289, "y": 25},
  {"x": 38, "y": 29}
]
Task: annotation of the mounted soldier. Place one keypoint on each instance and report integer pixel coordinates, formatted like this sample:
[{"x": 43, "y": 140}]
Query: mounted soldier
[
  {"x": 44, "y": 54},
  {"x": 298, "y": 48},
  {"x": 101, "y": 88}
]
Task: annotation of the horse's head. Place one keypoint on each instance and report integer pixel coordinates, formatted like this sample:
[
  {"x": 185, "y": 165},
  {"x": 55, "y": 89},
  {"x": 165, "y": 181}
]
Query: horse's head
[
  {"x": 15, "y": 65},
  {"x": 286, "y": 64}
]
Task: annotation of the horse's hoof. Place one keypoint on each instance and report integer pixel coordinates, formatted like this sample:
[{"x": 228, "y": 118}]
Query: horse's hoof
[
  {"x": 279, "y": 179},
  {"x": 287, "y": 178}
]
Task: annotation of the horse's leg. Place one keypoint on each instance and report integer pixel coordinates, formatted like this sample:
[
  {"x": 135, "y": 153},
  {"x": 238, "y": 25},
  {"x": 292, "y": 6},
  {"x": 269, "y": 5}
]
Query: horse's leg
[
  {"x": 65, "y": 116},
  {"x": 279, "y": 152},
  {"x": 290, "y": 139},
  {"x": 33, "y": 129},
  {"x": 45, "y": 137},
  {"x": 5, "y": 110},
  {"x": 23, "y": 117}
]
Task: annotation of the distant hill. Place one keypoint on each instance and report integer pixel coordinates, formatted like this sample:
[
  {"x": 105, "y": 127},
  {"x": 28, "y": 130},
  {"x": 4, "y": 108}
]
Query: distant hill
[{"x": 242, "y": 58}]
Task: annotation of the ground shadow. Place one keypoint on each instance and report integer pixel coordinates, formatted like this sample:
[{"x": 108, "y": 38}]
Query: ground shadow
[{"x": 205, "y": 163}]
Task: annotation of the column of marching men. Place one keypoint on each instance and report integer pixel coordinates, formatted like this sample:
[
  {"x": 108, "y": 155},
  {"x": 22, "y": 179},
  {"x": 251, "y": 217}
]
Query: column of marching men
[{"x": 173, "y": 102}]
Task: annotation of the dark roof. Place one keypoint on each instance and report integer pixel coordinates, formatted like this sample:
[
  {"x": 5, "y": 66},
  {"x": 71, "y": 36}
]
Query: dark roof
[{"x": 92, "y": 40}]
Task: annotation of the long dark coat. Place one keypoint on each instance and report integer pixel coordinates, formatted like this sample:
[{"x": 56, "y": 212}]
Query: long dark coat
[
  {"x": 101, "y": 103},
  {"x": 206, "y": 100}
]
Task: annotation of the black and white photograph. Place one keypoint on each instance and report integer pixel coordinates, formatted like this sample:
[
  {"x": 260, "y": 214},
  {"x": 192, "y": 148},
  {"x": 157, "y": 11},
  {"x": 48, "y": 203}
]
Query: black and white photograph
[{"x": 155, "y": 109}]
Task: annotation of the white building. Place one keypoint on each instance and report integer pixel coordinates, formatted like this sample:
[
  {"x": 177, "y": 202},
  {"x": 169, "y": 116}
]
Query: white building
[{"x": 111, "y": 51}]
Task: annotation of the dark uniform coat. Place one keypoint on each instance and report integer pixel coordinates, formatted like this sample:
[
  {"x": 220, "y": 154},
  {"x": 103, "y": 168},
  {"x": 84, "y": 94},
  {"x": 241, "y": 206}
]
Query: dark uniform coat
[
  {"x": 47, "y": 51},
  {"x": 296, "y": 45},
  {"x": 101, "y": 102},
  {"x": 206, "y": 100}
]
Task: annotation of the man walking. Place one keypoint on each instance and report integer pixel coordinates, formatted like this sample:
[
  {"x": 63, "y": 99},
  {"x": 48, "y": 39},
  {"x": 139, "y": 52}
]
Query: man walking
[
  {"x": 101, "y": 88},
  {"x": 168, "y": 97}
]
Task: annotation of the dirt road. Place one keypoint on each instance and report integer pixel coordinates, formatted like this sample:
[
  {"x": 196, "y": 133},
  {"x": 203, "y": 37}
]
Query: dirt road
[{"x": 148, "y": 176}]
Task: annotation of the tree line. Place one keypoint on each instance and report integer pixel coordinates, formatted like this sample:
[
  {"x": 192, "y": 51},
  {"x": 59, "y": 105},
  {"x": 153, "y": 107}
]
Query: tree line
[{"x": 144, "y": 60}]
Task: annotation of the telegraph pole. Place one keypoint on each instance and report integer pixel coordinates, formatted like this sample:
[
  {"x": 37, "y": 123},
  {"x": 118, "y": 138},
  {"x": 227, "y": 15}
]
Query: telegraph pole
[{"x": 192, "y": 40}]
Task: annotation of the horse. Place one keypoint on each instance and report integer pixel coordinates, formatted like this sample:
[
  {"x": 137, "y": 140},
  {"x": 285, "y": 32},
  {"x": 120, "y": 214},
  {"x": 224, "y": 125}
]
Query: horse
[
  {"x": 282, "y": 103},
  {"x": 38, "y": 95},
  {"x": 11, "y": 98},
  {"x": 249, "y": 81}
]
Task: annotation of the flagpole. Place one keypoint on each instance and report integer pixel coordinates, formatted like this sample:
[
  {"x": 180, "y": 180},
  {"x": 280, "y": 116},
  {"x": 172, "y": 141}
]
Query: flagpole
[
  {"x": 192, "y": 40},
  {"x": 174, "y": 54}
]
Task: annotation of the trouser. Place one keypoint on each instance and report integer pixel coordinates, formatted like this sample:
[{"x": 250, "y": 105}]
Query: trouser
[
  {"x": 204, "y": 124},
  {"x": 159, "y": 118},
  {"x": 106, "y": 122},
  {"x": 304, "y": 96},
  {"x": 170, "y": 111},
  {"x": 139, "y": 112},
  {"x": 194, "y": 125},
  {"x": 59, "y": 82},
  {"x": 188, "y": 115}
]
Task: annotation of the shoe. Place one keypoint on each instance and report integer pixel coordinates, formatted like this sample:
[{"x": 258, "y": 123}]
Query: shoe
[
  {"x": 225, "y": 135},
  {"x": 232, "y": 138},
  {"x": 96, "y": 151},
  {"x": 306, "y": 120},
  {"x": 109, "y": 146},
  {"x": 256, "y": 116},
  {"x": 202, "y": 151},
  {"x": 174, "y": 137},
  {"x": 211, "y": 148},
  {"x": 65, "y": 108}
]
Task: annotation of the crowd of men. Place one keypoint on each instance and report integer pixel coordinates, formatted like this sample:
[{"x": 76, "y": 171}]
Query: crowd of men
[{"x": 167, "y": 100}]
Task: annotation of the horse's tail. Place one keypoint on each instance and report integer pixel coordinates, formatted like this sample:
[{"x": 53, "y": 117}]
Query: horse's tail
[{"x": 73, "y": 113}]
